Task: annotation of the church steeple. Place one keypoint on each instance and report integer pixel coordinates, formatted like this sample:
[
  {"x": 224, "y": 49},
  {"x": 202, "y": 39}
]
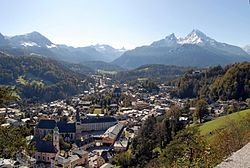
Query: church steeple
[
  {"x": 78, "y": 115},
  {"x": 78, "y": 124},
  {"x": 56, "y": 136}
]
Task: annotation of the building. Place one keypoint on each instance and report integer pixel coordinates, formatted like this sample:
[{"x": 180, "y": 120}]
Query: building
[
  {"x": 93, "y": 123},
  {"x": 121, "y": 145},
  {"x": 47, "y": 150},
  {"x": 71, "y": 159},
  {"x": 107, "y": 165},
  {"x": 117, "y": 92},
  {"x": 95, "y": 161},
  {"x": 71, "y": 132},
  {"x": 66, "y": 130},
  {"x": 110, "y": 136}
]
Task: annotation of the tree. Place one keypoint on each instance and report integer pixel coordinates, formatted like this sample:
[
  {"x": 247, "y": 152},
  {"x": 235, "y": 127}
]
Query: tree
[
  {"x": 48, "y": 137},
  {"x": 7, "y": 95},
  {"x": 201, "y": 109},
  {"x": 248, "y": 102},
  {"x": 187, "y": 149},
  {"x": 12, "y": 141},
  {"x": 123, "y": 159},
  {"x": 173, "y": 115}
]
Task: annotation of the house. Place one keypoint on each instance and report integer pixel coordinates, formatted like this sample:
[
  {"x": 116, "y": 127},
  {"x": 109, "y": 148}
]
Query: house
[
  {"x": 71, "y": 159},
  {"x": 95, "y": 161},
  {"x": 117, "y": 92},
  {"x": 113, "y": 107},
  {"x": 3, "y": 112},
  {"x": 121, "y": 145},
  {"x": 13, "y": 122},
  {"x": 107, "y": 165}
]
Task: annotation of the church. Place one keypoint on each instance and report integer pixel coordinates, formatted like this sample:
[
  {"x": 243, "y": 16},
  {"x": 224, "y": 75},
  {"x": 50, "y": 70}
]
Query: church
[{"x": 70, "y": 132}]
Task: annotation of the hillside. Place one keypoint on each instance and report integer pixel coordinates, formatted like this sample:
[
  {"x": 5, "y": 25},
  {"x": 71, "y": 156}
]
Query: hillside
[
  {"x": 101, "y": 65},
  {"x": 40, "y": 79},
  {"x": 196, "y": 50},
  {"x": 157, "y": 72},
  {"x": 231, "y": 82},
  {"x": 207, "y": 129}
]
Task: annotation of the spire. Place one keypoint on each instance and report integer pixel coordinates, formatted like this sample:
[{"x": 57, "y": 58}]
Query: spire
[
  {"x": 56, "y": 137},
  {"x": 77, "y": 115},
  {"x": 56, "y": 130}
]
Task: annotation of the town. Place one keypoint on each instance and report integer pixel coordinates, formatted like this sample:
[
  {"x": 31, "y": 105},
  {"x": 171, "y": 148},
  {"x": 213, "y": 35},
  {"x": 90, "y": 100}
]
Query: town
[{"x": 87, "y": 130}]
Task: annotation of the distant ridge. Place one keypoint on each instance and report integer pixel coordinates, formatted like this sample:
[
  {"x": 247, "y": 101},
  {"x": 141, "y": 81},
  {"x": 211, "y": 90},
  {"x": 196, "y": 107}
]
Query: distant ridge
[
  {"x": 196, "y": 49},
  {"x": 36, "y": 43}
]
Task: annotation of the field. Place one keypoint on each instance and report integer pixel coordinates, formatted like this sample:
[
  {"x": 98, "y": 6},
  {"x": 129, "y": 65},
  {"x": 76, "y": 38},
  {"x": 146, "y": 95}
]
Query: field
[
  {"x": 107, "y": 72},
  {"x": 142, "y": 79},
  {"x": 98, "y": 111},
  {"x": 208, "y": 128},
  {"x": 22, "y": 81}
]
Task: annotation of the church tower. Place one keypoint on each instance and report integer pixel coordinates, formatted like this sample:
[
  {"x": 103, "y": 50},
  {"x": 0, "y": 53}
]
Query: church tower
[
  {"x": 78, "y": 124},
  {"x": 56, "y": 136}
]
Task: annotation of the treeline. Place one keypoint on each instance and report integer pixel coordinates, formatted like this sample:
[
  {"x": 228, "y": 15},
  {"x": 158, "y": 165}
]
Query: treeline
[
  {"x": 230, "y": 82},
  {"x": 156, "y": 72},
  {"x": 39, "y": 78}
]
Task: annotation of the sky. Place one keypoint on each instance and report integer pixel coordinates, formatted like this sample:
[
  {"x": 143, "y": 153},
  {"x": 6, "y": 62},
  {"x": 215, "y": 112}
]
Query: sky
[{"x": 126, "y": 23}]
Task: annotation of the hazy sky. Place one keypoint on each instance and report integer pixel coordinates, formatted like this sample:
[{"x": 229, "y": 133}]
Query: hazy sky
[{"x": 127, "y": 23}]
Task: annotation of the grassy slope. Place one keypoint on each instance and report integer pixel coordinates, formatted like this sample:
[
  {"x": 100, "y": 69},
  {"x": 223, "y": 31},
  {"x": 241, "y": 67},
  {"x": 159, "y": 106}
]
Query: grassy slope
[
  {"x": 220, "y": 122},
  {"x": 98, "y": 111}
]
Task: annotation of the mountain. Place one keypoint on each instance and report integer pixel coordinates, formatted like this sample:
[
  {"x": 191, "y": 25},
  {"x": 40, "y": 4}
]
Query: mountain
[
  {"x": 247, "y": 48},
  {"x": 30, "y": 40},
  {"x": 39, "y": 79},
  {"x": 35, "y": 43},
  {"x": 109, "y": 52},
  {"x": 3, "y": 40},
  {"x": 196, "y": 49}
]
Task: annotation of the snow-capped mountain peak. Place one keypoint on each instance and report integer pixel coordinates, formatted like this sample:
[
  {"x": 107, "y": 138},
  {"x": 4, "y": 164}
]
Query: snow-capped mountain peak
[
  {"x": 3, "y": 40},
  {"x": 168, "y": 41},
  {"x": 31, "y": 39},
  {"x": 247, "y": 48},
  {"x": 196, "y": 37},
  {"x": 171, "y": 37}
]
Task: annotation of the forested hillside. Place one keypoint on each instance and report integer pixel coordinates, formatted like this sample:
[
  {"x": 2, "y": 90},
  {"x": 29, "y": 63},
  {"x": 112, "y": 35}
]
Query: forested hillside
[
  {"x": 157, "y": 72},
  {"x": 231, "y": 82},
  {"x": 40, "y": 79}
]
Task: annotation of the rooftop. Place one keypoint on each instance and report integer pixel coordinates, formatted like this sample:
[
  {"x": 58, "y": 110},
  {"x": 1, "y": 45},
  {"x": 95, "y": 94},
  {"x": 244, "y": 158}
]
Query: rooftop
[
  {"x": 98, "y": 119},
  {"x": 113, "y": 131},
  {"x": 45, "y": 146},
  {"x": 51, "y": 124}
]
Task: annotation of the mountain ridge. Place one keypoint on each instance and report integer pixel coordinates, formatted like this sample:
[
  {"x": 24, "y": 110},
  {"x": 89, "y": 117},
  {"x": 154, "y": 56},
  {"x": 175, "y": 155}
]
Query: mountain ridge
[
  {"x": 36, "y": 43},
  {"x": 196, "y": 49},
  {"x": 247, "y": 48}
]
